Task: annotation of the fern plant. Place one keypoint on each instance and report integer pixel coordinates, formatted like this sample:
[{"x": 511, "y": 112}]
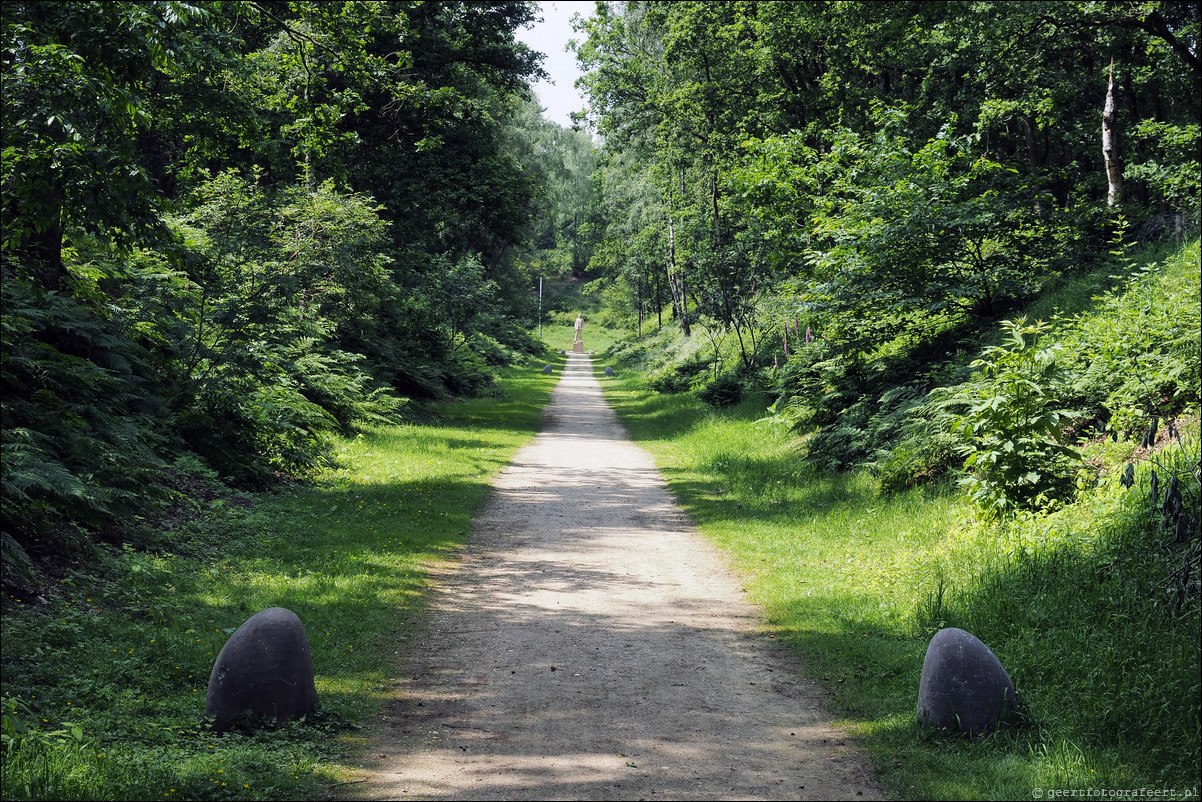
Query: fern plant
[{"x": 78, "y": 430}]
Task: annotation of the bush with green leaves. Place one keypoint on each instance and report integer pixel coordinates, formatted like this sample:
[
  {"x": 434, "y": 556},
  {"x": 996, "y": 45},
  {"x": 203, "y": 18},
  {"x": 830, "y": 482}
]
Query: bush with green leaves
[
  {"x": 1015, "y": 428},
  {"x": 275, "y": 277},
  {"x": 724, "y": 390},
  {"x": 848, "y": 404},
  {"x": 924, "y": 449},
  {"x": 225, "y": 344},
  {"x": 679, "y": 377}
]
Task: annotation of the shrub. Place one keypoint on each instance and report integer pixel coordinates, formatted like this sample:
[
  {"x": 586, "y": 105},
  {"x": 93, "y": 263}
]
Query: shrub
[
  {"x": 678, "y": 378},
  {"x": 1014, "y": 428},
  {"x": 467, "y": 373},
  {"x": 1138, "y": 354},
  {"x": 80, "y": 428}
]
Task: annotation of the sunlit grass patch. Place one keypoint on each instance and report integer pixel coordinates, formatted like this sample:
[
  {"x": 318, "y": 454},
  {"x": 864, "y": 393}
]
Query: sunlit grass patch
[
  {"x": 858, "y": 581},
  {"x": 117, "y": 661}
]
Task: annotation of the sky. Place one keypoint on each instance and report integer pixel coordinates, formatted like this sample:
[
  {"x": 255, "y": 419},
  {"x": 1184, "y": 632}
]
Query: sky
[{"x": 559, "y": 98}]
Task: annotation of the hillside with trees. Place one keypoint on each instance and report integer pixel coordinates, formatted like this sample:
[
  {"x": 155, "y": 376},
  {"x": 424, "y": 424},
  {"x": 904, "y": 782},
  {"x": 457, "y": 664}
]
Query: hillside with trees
[
  {"x": 846, "y": 192},
  {"x": 232, "y": 229}
]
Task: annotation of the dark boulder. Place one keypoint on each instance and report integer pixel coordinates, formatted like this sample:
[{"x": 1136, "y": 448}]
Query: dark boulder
[
  {"x": 964, "y": 687},
  {"x": 264, "y": 671},
  {"x": 547, "y": 369}
]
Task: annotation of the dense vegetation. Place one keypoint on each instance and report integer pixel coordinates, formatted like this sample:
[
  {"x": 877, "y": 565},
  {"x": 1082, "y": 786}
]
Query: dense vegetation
[
  {"x": 952, "y": 248},
  {"x": 232, "y": 229},
  {"x": 846, "y": 191},
  {"x": 1093, "y": 608}
]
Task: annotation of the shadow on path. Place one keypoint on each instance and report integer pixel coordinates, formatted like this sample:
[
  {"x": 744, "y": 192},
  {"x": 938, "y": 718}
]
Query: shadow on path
[{"x": 588, "y": 644}]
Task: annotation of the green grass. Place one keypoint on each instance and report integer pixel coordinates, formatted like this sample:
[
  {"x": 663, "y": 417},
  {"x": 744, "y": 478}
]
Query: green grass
[
  {"x": 104, "y": 683},
  {"x": 559, "y": 336},
  {"x": 1074, "y": 605}
]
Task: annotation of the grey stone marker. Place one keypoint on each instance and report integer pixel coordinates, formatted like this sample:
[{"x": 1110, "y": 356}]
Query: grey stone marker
[
  {"x": 265, "y": 670},
  {"x": 964, "y": 687},
  {"x": 609, "y": 371},
  {"x": 547, "y": 369}
]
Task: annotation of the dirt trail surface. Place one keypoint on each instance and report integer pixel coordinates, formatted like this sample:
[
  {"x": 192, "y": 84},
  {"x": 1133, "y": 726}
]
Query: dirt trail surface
[{"x": 589, "y": 644}]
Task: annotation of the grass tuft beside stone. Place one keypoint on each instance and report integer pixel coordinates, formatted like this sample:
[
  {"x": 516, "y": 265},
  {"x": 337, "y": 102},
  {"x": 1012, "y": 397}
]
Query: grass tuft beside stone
[
  {"x": 104, "y": 672},
  {"x": 1080, "y": 606}
]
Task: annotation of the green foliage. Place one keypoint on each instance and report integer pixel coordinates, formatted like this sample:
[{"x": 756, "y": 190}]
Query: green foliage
[
  {"x": 898, "y": 229},
  {"x": 723, "y": 390},
  {"x": 469, "y": 374},
  {"x": 1108, "y": 560},
  {"x": 1126, "y": 358},
  {"x": 1016, "y": 447},
  {"x": 680, "y": 377},
  {"x": 277, "y": 278},
  {"x": 772, "y": 162},
  {"x": 80, "y": 431},
  {"x": 194, "y": 258},
  {"x": 15, "y": 562},
  {"x": 104, "y": 674},
  {"x": 76, "y": 89},
  {"x": 1173, "y": 167},
  {"x": 916, "y": 444},
  {"x": 1090, "y": 609},
  {"x": 1136, "y": 355},
  {"x": 562, "y": 232}
]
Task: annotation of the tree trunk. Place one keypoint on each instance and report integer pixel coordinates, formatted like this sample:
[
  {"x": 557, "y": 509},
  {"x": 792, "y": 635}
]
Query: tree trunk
[
  {"x": 1110, "y": 147},
  {"x": 676, "y": 281},
  {"x": 639, "y": 285},
  {"x": 1033, "y": 161},
  {"x": 659, "y": 301}
]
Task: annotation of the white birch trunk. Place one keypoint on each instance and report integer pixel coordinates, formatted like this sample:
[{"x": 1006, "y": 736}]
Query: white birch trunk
[
  {"x": 1110, "y": 146},
  {"x": 675, "y": 279}
]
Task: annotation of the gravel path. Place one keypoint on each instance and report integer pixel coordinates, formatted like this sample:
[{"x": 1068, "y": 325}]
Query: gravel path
[{"x": 589, "y": 644}]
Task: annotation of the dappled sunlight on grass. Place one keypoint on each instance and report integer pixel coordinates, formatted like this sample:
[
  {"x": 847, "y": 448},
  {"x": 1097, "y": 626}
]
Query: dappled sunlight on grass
[
  {"x": 126, "y": 650},
  {"x": 857, "y": 582}
]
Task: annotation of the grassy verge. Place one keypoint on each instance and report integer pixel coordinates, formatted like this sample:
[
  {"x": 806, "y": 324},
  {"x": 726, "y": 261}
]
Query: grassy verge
[
  {"x": 104, "y": 676},
  {"x": 1076, "y": 606},
  {"x": 596, "y": 337}
]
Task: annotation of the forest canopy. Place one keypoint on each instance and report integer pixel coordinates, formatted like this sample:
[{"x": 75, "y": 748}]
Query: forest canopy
[
  {"x": 231, "y": 229},
  {"x": 847, "y": 190}
]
